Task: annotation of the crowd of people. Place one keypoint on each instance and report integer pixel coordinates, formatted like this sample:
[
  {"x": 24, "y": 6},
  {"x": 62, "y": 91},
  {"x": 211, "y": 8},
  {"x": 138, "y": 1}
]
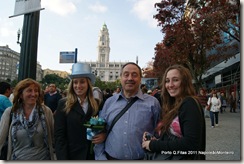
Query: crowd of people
[{"x": 46, "y": 125}]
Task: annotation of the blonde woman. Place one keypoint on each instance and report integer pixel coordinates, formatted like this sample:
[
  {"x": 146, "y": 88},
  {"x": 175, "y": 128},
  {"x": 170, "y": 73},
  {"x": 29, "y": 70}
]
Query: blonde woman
[{"x": 72, "y": 112}]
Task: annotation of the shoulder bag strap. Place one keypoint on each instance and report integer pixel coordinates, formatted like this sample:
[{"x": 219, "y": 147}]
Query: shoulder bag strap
[{"x": 121, "y": 113}]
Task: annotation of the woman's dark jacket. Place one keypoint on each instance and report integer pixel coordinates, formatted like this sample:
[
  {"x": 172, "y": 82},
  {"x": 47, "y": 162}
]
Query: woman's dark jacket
[
  {"x": 193, "y": 128},
  {"x": 70, "y": 134}
]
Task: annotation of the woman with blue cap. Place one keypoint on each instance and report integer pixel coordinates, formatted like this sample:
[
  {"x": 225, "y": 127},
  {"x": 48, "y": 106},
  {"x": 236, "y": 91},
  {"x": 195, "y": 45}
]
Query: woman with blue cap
[{"x": 72, "y": 112}]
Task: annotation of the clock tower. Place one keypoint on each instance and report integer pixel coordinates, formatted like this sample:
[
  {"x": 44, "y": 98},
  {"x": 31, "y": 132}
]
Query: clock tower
[
  {"x": 103, "y": 46},
  {"x": 103, "y": 68}
]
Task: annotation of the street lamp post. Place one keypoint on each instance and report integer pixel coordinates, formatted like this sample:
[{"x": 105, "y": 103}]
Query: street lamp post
[{"x": 29, "y": 44}]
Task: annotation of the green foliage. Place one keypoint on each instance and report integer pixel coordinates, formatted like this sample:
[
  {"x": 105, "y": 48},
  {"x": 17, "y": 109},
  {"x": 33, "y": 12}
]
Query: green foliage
[
  {"x": 61, "y": 83},
  {"x": 14, "y": 82},
  {"x": 104, "y": 85}
]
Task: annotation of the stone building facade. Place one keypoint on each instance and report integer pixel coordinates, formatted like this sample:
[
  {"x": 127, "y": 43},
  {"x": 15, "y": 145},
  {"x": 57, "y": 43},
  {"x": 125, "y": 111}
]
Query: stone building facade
[{"x": 9, "y": 62}]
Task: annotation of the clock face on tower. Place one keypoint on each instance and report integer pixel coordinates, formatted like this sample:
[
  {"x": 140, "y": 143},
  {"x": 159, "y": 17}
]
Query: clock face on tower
[{"x": 103, "y": 51}]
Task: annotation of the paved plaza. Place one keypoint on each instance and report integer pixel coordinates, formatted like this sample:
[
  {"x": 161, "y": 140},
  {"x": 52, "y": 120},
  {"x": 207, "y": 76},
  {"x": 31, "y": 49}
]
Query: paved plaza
[{"x": 224, "y": 142}]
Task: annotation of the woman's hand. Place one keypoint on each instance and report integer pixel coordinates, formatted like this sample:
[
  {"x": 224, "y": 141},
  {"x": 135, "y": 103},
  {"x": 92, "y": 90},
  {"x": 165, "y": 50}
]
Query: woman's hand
[
  {"x": 99, "y": 138},
  {"x": 148, "y": 136},
  {"x": 145, "y": 144},
  {"x": 144, "y": 138}
]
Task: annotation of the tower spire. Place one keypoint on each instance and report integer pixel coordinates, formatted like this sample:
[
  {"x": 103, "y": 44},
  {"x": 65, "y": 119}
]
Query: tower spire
[{"x": 103, "y": 46}]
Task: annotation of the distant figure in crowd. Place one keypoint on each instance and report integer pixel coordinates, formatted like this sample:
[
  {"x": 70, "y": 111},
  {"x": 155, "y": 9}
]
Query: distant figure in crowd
[
  {"x": 98, "y": 94},
  {"x": 223, "y": 102},
  {"x": 74, "y": 111},
  {"x": 117, "y": 90},
  {"x": 52, "y": 97},
  {"x": 107, "y": 94},
  {"x": 202, "y": 97},
  {"x": 30, "y": 134},
  {"x": 46, "y": 90},
  {"x": 214, "y": 110},
  {"x": 157, "y": 93},
  {"x": 5, "y": 91},
  {"x": 64, "y": 93},
  {"x": 219, "y": 96},
  {"x": 143, "y": 88},
  {"x": 149, "y": 92},
  {"x": 124, "y": 140},
  {"x": 182, "y": 117},
  {"x": 11, "y": 97},
  {"x": 232, "y": 102}
]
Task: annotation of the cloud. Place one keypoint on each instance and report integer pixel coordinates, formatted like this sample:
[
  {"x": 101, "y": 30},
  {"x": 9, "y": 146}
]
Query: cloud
[
  {"x": 5, "y": 32},
  {"x": 98, "y": 8},
  {"x": 6, "y": 28},
  {"x": 60, "y": 7},
  {"x": 144, "y": 10}
]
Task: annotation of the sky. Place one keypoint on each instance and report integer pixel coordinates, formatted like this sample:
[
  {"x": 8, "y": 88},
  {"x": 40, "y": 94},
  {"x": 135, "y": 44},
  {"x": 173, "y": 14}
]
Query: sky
[{"x": 68, "y": 24}]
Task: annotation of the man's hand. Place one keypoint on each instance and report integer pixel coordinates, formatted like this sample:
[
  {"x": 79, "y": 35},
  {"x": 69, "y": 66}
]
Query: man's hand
[{"x": 99, "y": 138}]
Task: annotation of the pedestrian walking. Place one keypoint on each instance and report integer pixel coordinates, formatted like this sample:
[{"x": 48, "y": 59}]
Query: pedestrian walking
[{"x": 215, "y": 103}]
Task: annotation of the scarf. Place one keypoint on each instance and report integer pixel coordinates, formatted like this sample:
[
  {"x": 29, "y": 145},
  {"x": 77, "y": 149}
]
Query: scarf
[{"x": 20, "y": 122}]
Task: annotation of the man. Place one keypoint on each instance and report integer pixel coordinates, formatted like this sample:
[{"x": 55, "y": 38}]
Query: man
[
  {"x": 52, "y": 97},
  {"x": 203, "y": 101},
  {"x": 5, "y": 91},
  {"x": 124, "y": 140}
]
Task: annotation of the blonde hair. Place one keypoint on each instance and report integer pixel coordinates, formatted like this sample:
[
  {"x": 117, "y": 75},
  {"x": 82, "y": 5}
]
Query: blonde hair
[{"x": 72, "y": 98}]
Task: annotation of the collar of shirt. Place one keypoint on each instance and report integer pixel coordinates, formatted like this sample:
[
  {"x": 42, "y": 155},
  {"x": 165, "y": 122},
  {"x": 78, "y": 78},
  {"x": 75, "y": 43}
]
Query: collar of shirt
[
  {"x": 52, "y": 93},
  {"x": 139, "y": 94},
  {"x": 84, "y": 105}
]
